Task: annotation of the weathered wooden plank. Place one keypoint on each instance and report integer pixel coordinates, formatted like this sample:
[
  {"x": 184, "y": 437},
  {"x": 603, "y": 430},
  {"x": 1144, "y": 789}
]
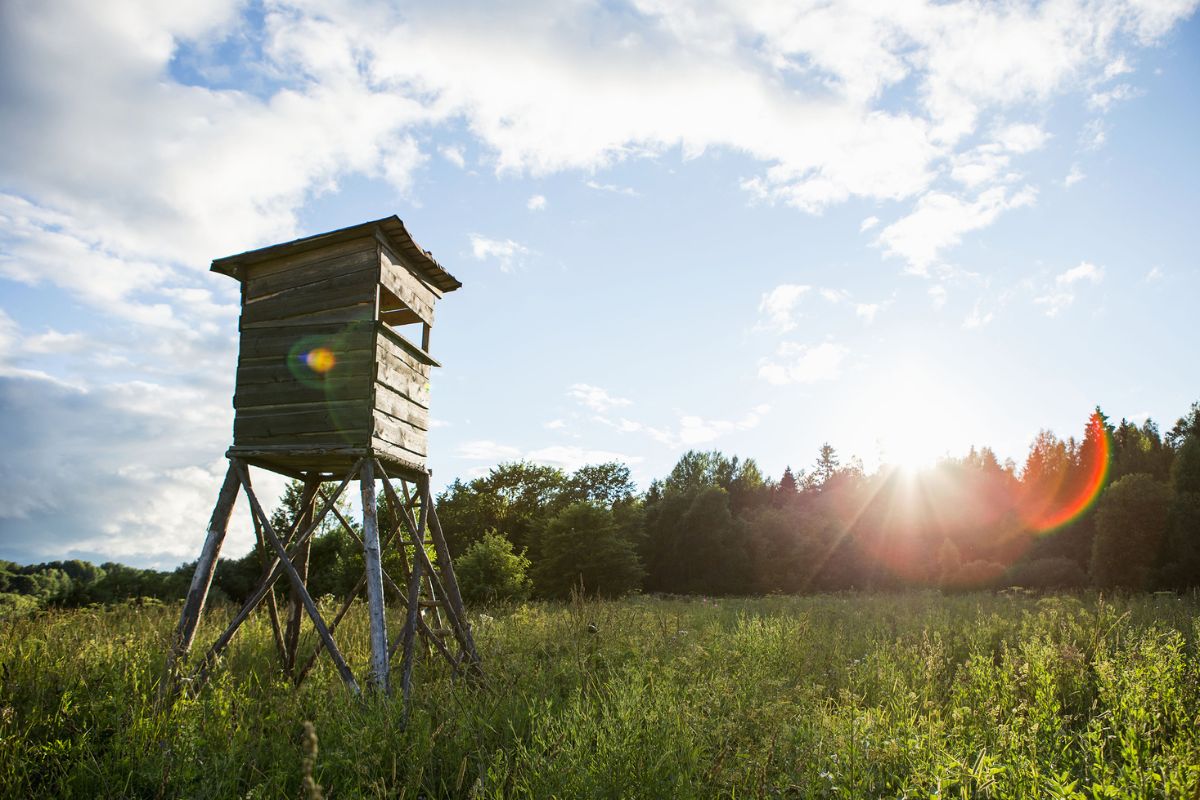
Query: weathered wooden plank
[
  {"x": 270, "y": 341},
  {"x": 347, "y": 367},
  {"x": 290, "y": 458},
  {"x": 360, "y": 312},
  {"x": 365, "y": 244},
  {"x": 400, "y": 432},
  {"x": 394, "y": 453},
  {"x": 403, "y": 282},
  {"x": 289, "y": 394},
  {"x": 314, "y": 418},
  {"x": 335, "y": 292},
  {"x": 397, "y": 348},
  {"x": 392, "y": 402},
  {"x": 404, "y": 381},
  {"x": 259, "y": 285}
]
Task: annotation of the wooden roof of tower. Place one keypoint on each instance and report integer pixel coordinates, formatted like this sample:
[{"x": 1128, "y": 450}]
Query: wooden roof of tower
[{"x": 389, "y": 230}]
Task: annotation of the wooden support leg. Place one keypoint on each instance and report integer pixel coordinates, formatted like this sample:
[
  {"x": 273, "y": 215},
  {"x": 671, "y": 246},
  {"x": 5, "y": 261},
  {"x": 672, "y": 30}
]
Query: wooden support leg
[
  {"x": 297, "y": 584},
  {"x": 197, "y": 594},
  {"x": 275, "y": 571},
  {"x": 449, "y": 579},
  {"x": 410, "y": 626},
  {"x": 373, "y": 560},
  {"x": 264, "y": 559},
  {"x": 291, "y": 638}
]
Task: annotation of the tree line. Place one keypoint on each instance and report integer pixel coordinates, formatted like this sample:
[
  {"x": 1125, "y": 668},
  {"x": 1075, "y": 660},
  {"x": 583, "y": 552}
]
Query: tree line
[{"x": 1116, "y": 508}]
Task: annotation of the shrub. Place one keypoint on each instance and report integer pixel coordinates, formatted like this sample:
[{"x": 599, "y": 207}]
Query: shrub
[
  {"x": 1129, "y": 531},
  {"x": 582, "y": 548},
  {"x": 1047, "y": 574},
  {"x": 490, "y": 571}
]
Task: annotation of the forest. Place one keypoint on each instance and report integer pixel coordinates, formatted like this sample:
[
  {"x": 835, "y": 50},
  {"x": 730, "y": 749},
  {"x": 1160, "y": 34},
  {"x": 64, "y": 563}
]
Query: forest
[{"x": 1116, "y": 508}]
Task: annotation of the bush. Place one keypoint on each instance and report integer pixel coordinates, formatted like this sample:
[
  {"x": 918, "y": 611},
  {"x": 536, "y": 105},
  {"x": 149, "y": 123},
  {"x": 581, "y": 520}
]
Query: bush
[
  {"x": 1047, "y": 574},
  {"x": 490, "y": 571},
  {"x": 1130, "y": 523},
  {"x": 582, "y": 548}
]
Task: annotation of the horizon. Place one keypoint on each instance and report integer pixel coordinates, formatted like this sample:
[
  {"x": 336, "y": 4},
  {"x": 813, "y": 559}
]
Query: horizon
[{"x": 703, "y": 228}]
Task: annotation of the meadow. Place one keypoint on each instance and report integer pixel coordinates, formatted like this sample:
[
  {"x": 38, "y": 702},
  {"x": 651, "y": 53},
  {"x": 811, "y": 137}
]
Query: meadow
[{"x": 908, "y": 695}]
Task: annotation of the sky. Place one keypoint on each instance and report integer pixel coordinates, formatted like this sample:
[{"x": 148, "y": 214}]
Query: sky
[{"x": 900, "y": 228}]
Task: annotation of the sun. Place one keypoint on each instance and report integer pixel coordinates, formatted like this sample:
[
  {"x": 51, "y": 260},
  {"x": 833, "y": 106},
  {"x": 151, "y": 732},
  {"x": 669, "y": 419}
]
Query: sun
[{"x": 922, "y": 417}]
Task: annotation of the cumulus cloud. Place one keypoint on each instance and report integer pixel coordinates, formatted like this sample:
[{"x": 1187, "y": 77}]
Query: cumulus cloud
[
  {"x": 454, "y": 155},
  {"x": 612, "y": 188},
  {"x": 595, "y": 398},
  {"x": 866, "y": 311},
  {"x": 800, "y": 363},
  {"x": 505, "y": 252},
  {"x": 977, "y": 318},
  {"x": 536, "y": 203},
  {"x": 1062, "y": 292},
  {"x": 694, "y": 430},
  {"x": 940, "y": 219},
  {"x": 778, "y": 307},
  {"x": 487, "y": 450},
  {"x": 1074, "y": 176}
]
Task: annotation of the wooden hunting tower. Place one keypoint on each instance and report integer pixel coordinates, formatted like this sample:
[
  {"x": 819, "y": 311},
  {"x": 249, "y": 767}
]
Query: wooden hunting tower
[
  {"x": 333, "y": 379},
  {"x": 334, "y": 356}
]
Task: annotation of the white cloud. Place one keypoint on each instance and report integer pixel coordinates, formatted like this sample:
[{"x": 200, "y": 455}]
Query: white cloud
[
  {"x": 612, "y": 188},
  {"x": 1061, "y": 294},
  {"x": 1084, "y": 272},
  {"x": 977, "y": 318},
  {"x": 454, "y": 155},
  {"x": 1103, "y": 100},
  {"x": 866, "y": 311},
  {"x": 1074, "y": 176},
  {"x": 487, "y": 450},
  {"x": 938, "y": 295},
  {"x": 506, "y": 252},
  {"x": 778, "y": 306},
  {"x": 555, "y": 425},
  {"x": 1094, "y": 135},
  {"x": 867, "y": 224},
  {"x": 799, "y": 363},
  {"x": 53, "y": 341},
  {"x": 1155, "y": 274},
  {"x": 536, "y": 203},
  {"x": 694, "y": 430},
  {"x": 595, "y": 398},
  {"x": 940, "y": 220},
  {"x": 1023, "y": 137},
  {"x": 571, "y": 458}
]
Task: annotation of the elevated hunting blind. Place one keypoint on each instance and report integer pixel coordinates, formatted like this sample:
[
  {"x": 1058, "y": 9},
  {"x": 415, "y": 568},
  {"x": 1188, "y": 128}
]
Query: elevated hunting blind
[{"x": 333, "y": 382}]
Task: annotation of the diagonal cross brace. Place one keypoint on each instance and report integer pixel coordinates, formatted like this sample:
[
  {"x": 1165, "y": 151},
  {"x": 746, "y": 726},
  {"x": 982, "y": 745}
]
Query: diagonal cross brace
[
  {"x": 275, "y": 573},
  {"x": 297, "y": 583}
]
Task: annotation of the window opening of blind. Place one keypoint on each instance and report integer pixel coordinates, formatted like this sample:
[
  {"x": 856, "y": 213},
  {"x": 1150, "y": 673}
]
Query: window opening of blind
[{"x": 394, "y": 313}]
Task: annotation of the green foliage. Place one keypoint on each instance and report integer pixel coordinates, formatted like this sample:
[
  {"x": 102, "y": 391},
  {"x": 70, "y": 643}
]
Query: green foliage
[
  {"x": 1130, "y": 524},
  {"x": 583, "y": 549},
  {"x": 490, "y": 571},
  {"x": 896, "y": 695},
  {"x": 1047, "y": 574}
]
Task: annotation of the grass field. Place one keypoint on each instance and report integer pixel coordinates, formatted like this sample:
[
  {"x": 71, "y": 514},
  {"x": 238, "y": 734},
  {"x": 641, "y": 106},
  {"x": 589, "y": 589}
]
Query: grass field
[{"x": 908, "y": 695}]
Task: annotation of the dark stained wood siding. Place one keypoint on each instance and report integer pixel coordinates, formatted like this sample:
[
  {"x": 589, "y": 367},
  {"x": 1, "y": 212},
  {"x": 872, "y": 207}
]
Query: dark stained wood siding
[
  {"x": 377, "y": 392},
  {"x": 322, "y": 298}
]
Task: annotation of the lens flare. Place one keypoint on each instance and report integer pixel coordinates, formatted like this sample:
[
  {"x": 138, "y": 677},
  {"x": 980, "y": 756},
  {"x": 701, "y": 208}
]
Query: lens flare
[
  {"x": 1050, "y": 508},
  {"x": 320, "y": 359}
]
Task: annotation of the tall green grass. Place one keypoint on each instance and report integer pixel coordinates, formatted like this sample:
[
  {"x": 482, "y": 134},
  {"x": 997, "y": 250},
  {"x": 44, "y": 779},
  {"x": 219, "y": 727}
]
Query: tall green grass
[{"x": 907, "y": 695}]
